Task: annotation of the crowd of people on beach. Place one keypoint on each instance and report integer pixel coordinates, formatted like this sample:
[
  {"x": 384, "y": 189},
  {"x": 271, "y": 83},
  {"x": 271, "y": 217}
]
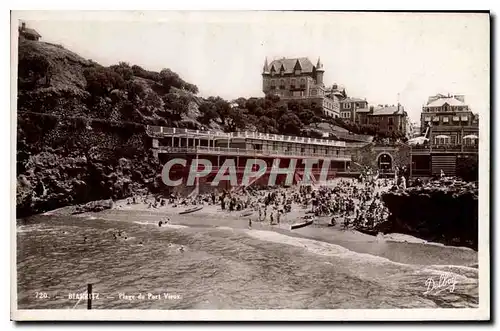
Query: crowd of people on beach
[{"x": 349, "y": 202}]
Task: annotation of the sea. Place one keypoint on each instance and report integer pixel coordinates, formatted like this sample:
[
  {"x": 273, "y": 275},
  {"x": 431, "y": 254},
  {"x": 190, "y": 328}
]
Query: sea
[{"x": 201, "y": 261}]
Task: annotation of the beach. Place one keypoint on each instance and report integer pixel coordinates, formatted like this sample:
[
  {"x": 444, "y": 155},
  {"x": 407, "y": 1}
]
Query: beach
[{"x": 213, "y": 259}]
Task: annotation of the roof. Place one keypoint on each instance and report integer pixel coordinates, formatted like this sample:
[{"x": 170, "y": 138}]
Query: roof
[
  {"x": 30, "y": 31},
  {"x": 289, "y": 64},
  {"x": 449, "y": 100},
  {"x": 353, "y": 100},
  {"x": 391, "y": 110}
]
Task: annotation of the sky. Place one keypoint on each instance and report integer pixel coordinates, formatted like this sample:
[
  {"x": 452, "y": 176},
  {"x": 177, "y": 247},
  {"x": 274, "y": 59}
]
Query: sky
[{"x": 376, "y": 56}]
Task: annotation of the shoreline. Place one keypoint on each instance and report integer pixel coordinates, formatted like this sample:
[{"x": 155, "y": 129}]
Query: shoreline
[
  {"x": 237, "y": 221},
  {"x": 214, "y": 211}
]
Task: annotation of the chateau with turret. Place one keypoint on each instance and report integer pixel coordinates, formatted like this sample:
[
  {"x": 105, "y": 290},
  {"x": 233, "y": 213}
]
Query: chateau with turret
[{"x": 299, "y": 79}]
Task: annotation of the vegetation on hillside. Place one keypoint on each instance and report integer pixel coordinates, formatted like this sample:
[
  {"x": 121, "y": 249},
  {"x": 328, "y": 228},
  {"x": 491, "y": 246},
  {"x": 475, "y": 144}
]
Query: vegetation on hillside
[{"x": 125, "y": 92}]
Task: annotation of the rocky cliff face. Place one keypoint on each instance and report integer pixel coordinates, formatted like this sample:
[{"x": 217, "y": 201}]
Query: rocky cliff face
[
  {"x": 443, "y": 211},
  {"x": 74, "y": 162},
  {"x": 74, "y": 146}
]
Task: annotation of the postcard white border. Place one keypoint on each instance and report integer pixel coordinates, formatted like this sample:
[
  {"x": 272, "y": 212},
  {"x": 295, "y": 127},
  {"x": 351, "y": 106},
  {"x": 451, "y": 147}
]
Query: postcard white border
[{"x": 480, "y": 313}]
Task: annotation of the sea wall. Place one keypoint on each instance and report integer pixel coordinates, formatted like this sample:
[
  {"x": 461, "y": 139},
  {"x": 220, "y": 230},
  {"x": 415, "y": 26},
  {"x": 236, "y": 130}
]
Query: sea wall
[{"x": 444, "y": 211}]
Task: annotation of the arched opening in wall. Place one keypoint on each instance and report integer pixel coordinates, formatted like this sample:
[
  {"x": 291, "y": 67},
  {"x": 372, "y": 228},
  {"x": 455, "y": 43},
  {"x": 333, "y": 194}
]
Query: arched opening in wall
[{"x": 384, "y": 163}]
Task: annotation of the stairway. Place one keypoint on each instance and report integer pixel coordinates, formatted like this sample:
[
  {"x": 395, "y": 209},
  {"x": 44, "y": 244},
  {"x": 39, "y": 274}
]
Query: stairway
[{"x": 447, "y": 163}]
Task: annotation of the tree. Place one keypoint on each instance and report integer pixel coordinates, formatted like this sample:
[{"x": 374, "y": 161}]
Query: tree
[
  {"x": 176, "y": 105},
  {"x": 101, "y": 81},
  {"x": 32, "y": 68},
  {"x": 208, "y": 113},
  {"x": 289, "y": 123},
  {"x": 191, "y": 88},
  {"x": 123, "y": 69},
  {"x": 266, "y": 125},
  {"x": 135, "y": 91}
]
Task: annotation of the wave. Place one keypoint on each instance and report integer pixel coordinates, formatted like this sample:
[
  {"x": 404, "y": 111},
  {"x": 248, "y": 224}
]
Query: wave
[
  {"x": 399, "y": 237},
  {"x": 358, "y": 259},
  {"x": 144, "y": 223},
  {"x": 164, "y": 225},
  {"x": 225, "y": 228},
  {"x": 175, "y": 226},
  {"x": 33, "y": 228}
]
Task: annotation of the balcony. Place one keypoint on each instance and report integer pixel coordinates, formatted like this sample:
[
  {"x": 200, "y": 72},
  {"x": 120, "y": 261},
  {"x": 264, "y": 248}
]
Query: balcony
[
  {"x": 445, "y": 149},
  {"x": 249, "y": 152}
]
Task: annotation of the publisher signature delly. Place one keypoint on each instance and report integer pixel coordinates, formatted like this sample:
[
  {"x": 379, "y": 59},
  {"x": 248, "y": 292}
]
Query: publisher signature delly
[{"x": 446, "y": 282}]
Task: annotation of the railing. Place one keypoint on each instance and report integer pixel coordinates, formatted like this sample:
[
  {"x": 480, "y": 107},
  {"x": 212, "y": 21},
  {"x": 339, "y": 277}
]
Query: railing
[
  {"x": 446, "y": 148},
  {"x": 160, "y": 131},
  {"x": 248, "y": 152}
]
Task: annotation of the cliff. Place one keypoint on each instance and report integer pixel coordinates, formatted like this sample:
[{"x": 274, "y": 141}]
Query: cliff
[
  {"x": 76, "y": 143},
  {"x": 444, "y": 211}
]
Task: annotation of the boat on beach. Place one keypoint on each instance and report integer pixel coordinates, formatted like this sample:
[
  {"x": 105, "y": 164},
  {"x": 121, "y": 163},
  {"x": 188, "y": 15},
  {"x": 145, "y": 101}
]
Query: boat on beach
[
  {"x": 247, "y": 213},
  {"x": 191, "y": 210},
  {"x": 307, "y": 221}
]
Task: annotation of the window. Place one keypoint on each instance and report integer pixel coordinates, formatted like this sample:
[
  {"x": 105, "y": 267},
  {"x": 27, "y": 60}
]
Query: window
[
  {"x": 435, "y": 119},
  {"x": 427, "y": 119},
  {"x": 347, "y": 105},
  {"x": 442, "y": 140},
  {"x": 282, "y": 84},
  {"x": 302, "y": 82},
  {"x": 456, "y": 118},
  {"x": 465, "y": 118},
  {"x": 391, "y": 121},
  {"x": 297, "y": 72},
  {"x": 345, "y": 114},
  {"x": 446, "y": 119},
  {"x": 314, "y": 91},
  {"x": 390, "y": 128},
  {"x": 302, "y": 150},
  {"x": 292, "y": 84}
]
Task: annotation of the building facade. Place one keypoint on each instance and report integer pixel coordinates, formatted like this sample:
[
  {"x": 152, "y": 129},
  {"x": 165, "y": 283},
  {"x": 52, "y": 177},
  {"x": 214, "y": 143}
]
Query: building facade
[
  {"x": 27, "y": 33},
  {"x": 450, "y": 120},
  {"x": 350, "y": 108},
  {"x": 299, "y": 79},
  {"x": 453, "y": 133},
  {"x": 389, "y": 119},
  {"x": 239, "y": 148}
]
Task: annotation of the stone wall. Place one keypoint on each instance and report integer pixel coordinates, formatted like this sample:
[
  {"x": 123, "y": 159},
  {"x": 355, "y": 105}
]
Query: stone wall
[{"x": 369, "y": 154}]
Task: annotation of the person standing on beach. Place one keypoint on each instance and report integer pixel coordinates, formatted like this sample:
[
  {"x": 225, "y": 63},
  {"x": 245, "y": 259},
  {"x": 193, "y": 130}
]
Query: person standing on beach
[{"x": 250, "y": 223}]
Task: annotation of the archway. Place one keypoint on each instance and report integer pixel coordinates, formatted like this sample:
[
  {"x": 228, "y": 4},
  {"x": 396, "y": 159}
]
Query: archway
[{"x": 384, "y": 162}]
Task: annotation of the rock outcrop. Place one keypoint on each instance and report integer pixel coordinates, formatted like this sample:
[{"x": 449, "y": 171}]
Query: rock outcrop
[{"x": 444, "y": 211}]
